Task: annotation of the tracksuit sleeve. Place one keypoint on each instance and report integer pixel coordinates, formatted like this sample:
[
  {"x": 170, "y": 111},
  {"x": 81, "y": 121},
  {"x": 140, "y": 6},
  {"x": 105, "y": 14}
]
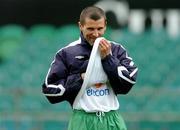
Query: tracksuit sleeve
[
  {"x": 59, "y": 85},
  {"x": 121, "y": 70}
]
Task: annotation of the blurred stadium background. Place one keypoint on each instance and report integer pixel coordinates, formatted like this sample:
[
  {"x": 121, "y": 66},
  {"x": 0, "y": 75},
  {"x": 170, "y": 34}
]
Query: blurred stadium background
[{"x": 32, "y": 31}]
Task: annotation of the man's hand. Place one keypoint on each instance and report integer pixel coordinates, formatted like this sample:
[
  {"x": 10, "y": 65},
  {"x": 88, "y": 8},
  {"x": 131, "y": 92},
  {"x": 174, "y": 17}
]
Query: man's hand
[
  {"x": 105, "y": 48},
  {"x": 82, "y": 75}
]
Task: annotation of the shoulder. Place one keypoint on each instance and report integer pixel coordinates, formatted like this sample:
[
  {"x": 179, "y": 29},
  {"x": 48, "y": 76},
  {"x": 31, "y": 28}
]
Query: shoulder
[
  {"x": 117, "y": 47},
  {"x": 119, "y": 50}
]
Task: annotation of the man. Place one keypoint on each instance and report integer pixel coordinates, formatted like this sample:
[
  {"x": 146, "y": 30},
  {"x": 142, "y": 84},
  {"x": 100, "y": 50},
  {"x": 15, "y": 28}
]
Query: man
[{"x": 94, "y": 104}]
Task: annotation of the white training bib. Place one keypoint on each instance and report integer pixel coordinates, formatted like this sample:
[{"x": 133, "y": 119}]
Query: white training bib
[{"x": 95, "y": 94}]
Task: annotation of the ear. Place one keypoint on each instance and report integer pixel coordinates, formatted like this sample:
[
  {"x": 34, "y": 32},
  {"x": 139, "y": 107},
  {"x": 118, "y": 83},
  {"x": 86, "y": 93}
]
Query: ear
[
  {"x": 104, "y": 29},
  {"x": 105, "y": 25},
  {"x": 80, "y": 25}
]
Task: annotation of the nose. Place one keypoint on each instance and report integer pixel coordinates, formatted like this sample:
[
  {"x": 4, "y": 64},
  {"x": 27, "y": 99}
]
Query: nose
[{"x": 95, "y": 33}]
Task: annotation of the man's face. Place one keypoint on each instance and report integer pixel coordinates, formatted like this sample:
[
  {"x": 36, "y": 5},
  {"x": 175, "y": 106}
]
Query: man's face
[{"x": 92, "y": 29}]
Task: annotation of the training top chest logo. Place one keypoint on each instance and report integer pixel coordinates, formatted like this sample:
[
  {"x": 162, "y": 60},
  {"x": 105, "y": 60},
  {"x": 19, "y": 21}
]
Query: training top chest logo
[
  {"x": 79, "y": 57},
  {"x": 98, "y": 90}
]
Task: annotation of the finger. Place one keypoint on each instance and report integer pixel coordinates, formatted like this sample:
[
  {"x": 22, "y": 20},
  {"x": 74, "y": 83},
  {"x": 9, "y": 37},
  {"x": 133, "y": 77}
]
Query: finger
[
  {"x": 105, "y": 43},
  {"x": 82, "y": 75},
  {"x": 101, "y": 44}
]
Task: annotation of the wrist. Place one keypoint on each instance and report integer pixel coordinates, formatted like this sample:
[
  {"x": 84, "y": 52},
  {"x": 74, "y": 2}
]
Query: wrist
[{"x": 106, "y": 57}]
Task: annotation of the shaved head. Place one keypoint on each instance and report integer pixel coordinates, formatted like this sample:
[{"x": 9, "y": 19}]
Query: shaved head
[{"x": 92, "y": 12}]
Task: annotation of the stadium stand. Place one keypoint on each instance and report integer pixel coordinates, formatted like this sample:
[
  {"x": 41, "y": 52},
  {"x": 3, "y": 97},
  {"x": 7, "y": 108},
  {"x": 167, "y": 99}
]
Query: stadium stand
[
  {"x": 11, "y": 37},
  {"x": 27, "y": 54}
]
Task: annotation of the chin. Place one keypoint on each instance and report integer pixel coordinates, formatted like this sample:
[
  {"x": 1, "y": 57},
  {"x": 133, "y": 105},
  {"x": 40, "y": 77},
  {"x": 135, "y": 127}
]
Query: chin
[{"x": 91, "y": 42}]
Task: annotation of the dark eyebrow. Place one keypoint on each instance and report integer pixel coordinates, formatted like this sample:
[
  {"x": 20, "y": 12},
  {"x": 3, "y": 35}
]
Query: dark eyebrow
[
  {"x": 90, "y": 28},
  {"x": 93, "y": 28}
]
